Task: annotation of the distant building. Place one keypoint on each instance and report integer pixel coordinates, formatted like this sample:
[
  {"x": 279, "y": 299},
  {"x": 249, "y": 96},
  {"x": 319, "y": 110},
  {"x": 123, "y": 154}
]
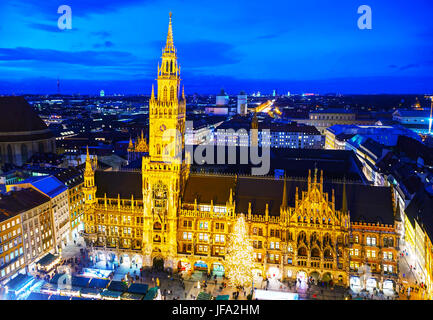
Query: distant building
[
  {"x": 236, "y": 132},
  {"x": 222, "y": 99},
  {"x": 102, "y": 93},
  {"x": 337, "y": 135},
  {"x": 415, "y": 120},
  {"x": 138, "y": 149},
  {"x": 242, "y": 103},
  {"x": 323, "y": 119},
  {"x": 22, "y": 132}
]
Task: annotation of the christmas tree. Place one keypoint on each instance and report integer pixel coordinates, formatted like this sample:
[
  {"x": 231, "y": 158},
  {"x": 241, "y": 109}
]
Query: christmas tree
[{"x": 239, "y": 258}]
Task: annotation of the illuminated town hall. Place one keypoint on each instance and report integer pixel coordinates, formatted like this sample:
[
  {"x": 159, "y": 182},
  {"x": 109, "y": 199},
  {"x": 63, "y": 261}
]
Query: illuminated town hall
[{"x": 166, "y": 215}]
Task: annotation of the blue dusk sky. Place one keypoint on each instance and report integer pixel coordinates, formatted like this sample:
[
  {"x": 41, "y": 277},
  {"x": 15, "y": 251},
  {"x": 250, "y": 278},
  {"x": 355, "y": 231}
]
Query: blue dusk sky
[{"x": 297, "y": 46}]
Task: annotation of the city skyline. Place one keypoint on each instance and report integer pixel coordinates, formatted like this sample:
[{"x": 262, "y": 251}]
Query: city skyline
[{"x": 112, "y": 46}]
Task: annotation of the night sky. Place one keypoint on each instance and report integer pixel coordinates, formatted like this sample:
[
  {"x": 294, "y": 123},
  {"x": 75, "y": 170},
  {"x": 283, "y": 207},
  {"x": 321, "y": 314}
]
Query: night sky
[{"x": 287, "y": 45}]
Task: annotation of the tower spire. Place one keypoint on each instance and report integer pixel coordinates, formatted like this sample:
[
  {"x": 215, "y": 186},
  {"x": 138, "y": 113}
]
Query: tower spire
[
  {"x": 169, "y": 46},
  {"x": 88, "y": 169},
  {"x": 284, "y": 203},
  {"x": 344, "y": 204},
  {"x": 152, "y": 96}
]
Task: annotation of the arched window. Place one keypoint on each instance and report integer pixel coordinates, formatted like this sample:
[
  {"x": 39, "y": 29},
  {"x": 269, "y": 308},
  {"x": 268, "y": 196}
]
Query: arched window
[
  {"x": 327, "y": 254},
  {"x": 165, "y": 94},
  {"x": 302, "y": 251},
  {"x": 24, "y": 153},
  {"x": 157, "y": 226},
  {"x": 302, "y": 236},
  {"x": 171, "y": 93},
  {"x": 10, "y": 154},
  {"x": 315, "y": 253}
]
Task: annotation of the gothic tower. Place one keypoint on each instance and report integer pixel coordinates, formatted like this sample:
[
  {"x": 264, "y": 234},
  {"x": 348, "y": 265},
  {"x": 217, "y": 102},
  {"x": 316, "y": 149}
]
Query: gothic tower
[
  {"x": 163, "y": 170},
  {"x": 167, "y": 110}
]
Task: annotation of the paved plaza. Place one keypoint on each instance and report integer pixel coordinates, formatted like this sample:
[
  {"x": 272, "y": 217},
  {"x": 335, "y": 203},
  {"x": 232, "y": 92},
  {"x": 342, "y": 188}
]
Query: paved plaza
[{"x": 187, "y": 285}]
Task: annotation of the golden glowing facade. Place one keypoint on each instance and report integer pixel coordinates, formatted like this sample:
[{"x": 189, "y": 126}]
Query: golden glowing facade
[{"x": 164, "y": 213}]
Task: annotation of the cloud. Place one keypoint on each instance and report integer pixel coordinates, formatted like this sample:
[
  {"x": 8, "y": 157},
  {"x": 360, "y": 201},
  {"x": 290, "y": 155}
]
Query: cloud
[
  {"x": 45, "y": 27},
  {"x": 87, "y": 58},
  {"x": 213, "y": 84},
  {"x": 409, "y": 66},
  {"x": 101, "y": 34},
  {"x": 106, "y": 44},
  {"x": 48, "y": 8},
  {"x": 268, "y": 36},
  {"x": 405, "y": 67}
]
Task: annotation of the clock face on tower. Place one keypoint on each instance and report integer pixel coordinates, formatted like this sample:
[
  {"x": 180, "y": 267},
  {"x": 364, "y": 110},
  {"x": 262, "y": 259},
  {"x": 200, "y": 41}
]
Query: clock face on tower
[{"x": 162, "y": 127}]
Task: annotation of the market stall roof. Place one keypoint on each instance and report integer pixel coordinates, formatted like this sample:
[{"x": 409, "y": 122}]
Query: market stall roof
[
  {"x": 38, "y": 296},
  {"x": 49, "y": 287},
  {"x": 59, "y": 297},
  {"x": 151, "y": 293},
  {"x": 47, "y": 260},
  {"x": 81, "y": 298},
  {"x": 131, "y": 296},
  {"x": 111, "y": 294},
  {"x": 98, "y": 283},
  {"x": 138, "y": 288},
  {"x": 90, "y": 291},
  {"x": 223, "y": 297},
  {"x": 18, "y": 282},
  {"x": 204, "y": 296},
  {"x": 80, "y": 281},
  {"x": 118, "y": 286}
]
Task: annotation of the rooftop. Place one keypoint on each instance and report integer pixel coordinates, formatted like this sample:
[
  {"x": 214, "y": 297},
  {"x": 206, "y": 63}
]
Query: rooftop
[{"x": 16, "y": 202}]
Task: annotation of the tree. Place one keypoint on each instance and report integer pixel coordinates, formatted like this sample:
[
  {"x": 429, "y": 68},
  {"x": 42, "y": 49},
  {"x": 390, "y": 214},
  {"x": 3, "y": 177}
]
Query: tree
[{"x": 239, "y": 258}]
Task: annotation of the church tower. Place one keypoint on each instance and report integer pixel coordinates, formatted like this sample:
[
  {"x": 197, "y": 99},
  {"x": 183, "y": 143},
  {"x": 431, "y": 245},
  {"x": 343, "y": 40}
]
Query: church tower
[
  {"x": 167, "y": 109},
  {"x": 163, "y": 171}
]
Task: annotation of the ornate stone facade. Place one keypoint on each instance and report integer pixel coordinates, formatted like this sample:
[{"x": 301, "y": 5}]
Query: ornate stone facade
[{"x": 298, "y": 228}]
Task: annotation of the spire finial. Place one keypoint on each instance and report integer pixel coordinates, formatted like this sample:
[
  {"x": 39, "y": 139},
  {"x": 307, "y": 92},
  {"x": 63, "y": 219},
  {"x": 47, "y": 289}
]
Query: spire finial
[
  {"x": 88, "y": 169},
  {"x": 169, "y": 45},
  {"x": 152, "y": 97}
]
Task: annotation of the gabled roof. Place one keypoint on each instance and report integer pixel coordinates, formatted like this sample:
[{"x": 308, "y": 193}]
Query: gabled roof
[
  {"x": 23, "y": 200},
  {"x": 125, "y": 183},
  {"x": 205, "y": 188},
  {"x": 421, "y": 209},
  {"x": 365, "y": 203},
  {"x": 48, "y": 185}
]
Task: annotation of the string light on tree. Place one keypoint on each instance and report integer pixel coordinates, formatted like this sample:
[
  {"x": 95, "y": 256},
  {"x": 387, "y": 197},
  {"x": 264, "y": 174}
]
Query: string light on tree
[{"x": 239, "y": 258}]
